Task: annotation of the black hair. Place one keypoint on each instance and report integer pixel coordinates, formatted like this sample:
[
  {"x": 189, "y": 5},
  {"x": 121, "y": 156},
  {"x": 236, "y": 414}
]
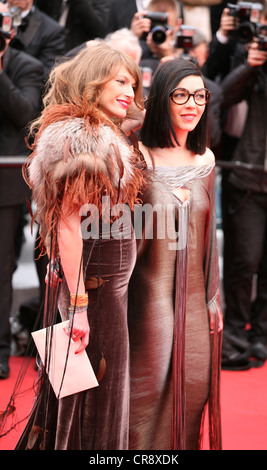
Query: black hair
[{"x": 157, "y": 129}]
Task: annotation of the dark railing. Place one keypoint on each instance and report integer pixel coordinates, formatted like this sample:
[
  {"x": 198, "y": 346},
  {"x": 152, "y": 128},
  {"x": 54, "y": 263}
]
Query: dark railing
[
  {"x": 18, "y": 161},
  {"x": 240, "y": 165},
  {"x": 12, "y": 162}
]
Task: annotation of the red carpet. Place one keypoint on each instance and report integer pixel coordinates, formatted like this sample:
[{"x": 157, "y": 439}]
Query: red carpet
[
  {"x": 24, "y": 402},
  {"x": 244, "y": 407}
]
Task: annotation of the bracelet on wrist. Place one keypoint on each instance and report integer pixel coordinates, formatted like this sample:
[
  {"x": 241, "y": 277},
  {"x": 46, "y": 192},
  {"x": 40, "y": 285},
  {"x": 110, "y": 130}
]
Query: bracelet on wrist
[
  {"x": 73, "y": 310},
  {"x": 79, "y": 300}
]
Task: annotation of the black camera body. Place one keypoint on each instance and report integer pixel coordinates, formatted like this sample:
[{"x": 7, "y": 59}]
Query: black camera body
[
  {"x": 262, "y": 37},
  {"x": 262, "y": 44},
  {"x": 184, "y": 38},
  {"x": 159, "y": 26},
  {"x": 247, "y": 17},
  {"x": 6, "y": 26}
]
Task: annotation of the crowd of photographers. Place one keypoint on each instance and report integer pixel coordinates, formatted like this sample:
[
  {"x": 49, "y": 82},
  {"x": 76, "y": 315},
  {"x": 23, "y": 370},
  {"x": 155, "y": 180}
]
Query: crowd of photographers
[{"x": 35, "y": 34}]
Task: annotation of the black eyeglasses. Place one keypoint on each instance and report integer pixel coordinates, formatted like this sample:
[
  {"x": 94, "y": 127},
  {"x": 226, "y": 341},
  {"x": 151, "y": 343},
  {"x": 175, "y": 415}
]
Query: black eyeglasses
[{"x": 181, "y": 96}]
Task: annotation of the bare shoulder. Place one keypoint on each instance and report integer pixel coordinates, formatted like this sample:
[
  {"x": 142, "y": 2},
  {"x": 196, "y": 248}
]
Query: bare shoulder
[
  {"x": 145, "y": 152},
  {"x": 208, "y": 157}
]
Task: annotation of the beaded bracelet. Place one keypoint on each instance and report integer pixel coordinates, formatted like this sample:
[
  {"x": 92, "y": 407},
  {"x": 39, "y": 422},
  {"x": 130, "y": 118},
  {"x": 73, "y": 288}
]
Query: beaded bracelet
[{"x": 73, "y": 309}]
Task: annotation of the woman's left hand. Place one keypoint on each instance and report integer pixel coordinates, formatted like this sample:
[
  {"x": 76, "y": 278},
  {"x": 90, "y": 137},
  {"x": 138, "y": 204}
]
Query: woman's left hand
[{"x": 52, "y": 276}]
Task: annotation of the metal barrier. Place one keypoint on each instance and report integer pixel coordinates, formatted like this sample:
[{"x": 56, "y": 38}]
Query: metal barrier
[
  {"x": 18, "y": 161},
  {"x": 12, "y": 162},
  {"x": 240, "y": 165}
]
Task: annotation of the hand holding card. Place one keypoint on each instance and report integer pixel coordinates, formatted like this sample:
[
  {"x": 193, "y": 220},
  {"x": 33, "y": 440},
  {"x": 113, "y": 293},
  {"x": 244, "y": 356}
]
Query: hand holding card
[{"x": 68, "y": 372}]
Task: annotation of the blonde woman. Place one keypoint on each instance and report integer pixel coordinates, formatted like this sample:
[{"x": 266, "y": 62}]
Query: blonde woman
[{"x": 81, "y": 164}]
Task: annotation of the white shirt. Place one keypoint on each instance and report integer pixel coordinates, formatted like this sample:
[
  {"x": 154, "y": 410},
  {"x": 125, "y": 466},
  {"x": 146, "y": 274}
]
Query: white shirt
[
  {"x": 141, "y": 4},
  {"x": 25, "y": 13},
  {"x": 65, "y": 10}
]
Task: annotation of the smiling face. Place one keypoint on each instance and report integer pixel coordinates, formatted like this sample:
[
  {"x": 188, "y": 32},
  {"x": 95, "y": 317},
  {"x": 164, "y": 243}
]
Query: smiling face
[
  {"x": 117, "y": 94},
  {"x": 185, "y": 117}
]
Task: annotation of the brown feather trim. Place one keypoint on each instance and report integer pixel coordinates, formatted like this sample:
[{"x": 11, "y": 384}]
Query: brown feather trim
[
  {"x": 67, "y": 111},
  {"x": 81, "y": 179}
]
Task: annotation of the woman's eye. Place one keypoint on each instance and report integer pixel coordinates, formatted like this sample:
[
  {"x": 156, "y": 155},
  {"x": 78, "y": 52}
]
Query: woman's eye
[
  {"x": 179, "y": 95},
  {"x": 200, "y": 96},
  {"x": 122, "y": 82}
]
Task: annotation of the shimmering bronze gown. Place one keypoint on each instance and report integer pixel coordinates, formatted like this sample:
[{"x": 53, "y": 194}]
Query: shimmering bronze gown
[{"x": 174, "y": 366}]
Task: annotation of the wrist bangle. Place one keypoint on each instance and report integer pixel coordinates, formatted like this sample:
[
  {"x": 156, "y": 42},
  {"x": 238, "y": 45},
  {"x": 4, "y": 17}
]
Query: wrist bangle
[{"x": 79, "y": 300}]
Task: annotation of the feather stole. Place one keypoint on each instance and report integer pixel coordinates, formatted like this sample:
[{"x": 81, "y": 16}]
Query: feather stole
[{"x": 82, "y": 156}]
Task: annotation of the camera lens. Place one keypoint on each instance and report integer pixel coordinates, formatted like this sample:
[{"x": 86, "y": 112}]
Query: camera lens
[
  {"x": 245, "y": 33},
  {"x": 158, "y": 34}
]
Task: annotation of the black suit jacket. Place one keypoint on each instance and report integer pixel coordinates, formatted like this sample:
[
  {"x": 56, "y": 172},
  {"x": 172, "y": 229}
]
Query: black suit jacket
[
  {"x": 20, "y": 84},
  {"x": 121, "y": 14},
  {"x": 87, "y": 19},
  {"x": 42, "y": 38}
]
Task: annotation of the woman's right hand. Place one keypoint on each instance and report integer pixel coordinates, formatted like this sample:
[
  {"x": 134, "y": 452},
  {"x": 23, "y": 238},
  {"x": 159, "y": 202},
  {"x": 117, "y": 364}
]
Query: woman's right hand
[
  {"x": 70, "y": 245},
  {"x": 79, "y": 329}
]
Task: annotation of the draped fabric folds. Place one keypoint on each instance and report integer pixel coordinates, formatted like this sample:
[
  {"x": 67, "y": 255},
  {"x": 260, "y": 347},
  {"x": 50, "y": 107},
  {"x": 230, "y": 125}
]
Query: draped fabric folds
[
  {"x": 173, "y": 295},
  {"x": 96, "y": 419}
]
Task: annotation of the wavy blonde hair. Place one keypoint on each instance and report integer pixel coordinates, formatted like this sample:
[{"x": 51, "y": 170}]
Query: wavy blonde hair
[{"x": 85, "y": 74}]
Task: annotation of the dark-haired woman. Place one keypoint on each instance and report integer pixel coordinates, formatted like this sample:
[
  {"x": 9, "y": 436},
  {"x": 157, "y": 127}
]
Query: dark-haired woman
[{"x": 174, "y": 307}]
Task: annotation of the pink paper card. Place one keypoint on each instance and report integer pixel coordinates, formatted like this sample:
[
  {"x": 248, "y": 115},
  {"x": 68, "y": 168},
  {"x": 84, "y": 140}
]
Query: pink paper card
[{"x": 78, "y": 372}]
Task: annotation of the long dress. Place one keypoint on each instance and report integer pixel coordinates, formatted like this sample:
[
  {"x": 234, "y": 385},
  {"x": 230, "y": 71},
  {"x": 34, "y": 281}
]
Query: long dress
[
  {"x": 96, "y": 419},
  {"x": 92, "y": 157},
  {"x": 173, "y": 290}
]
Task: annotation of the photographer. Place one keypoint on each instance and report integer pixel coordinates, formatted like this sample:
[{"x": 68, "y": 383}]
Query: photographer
[
  {"x": 83, "y": 20},
  {"x": 227, "y": 49},
  {"x": 20, "y": 81},
  {"x": 200, "y": 52},
  {"x": 38, "y": 34},
  {"x": 227, "y": 52},
  {"x": 156, "y": 44},
  {"x": 247, "y": 209}
]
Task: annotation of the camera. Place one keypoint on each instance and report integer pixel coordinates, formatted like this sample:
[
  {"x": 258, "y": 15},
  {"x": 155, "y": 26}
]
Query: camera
[
  {"x": 159, "y": 26},
  {"x": 247, "y": 16},
  {"x": 184, "y": 40},
  {"x": 6, "y": 26},
  {"x": 262, "y": 37}
]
